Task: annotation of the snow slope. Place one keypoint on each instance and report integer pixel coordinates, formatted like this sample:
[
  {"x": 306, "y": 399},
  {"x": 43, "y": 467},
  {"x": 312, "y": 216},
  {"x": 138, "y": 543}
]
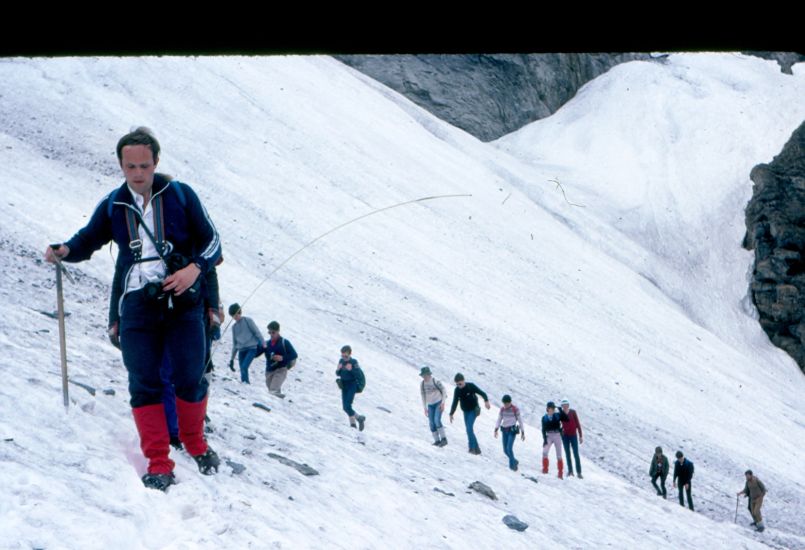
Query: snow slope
[{"x": 632, "y": 306}]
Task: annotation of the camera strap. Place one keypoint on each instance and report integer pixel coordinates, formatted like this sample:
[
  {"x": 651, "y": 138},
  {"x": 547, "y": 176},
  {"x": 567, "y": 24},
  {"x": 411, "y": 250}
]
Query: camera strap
[{"x": 133, "y": 216}]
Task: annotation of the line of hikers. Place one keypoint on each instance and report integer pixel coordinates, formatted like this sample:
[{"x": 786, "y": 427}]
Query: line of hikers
[
  {"x": 560, "y": 428},
  {"x": 248, "y": 344},
  {"x": 683, "y": 476}
]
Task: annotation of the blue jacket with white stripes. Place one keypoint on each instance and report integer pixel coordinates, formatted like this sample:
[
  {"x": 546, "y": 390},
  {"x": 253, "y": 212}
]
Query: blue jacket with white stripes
[{"x": 187, "y": 227}]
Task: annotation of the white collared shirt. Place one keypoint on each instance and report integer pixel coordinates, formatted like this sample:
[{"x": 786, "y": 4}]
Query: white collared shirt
[{"x": 145, "y": 272}]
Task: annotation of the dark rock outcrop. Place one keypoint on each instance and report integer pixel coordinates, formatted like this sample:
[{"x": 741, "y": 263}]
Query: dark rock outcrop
[
  {"x": 775, "y": 230},
  {"x": 484, "y": 489},
  {"x": 491, "y": 95},
  {"x": 513, "y": 523},
  {"x": 488, "y": 96},
  {"x": 303, "y": 469}
]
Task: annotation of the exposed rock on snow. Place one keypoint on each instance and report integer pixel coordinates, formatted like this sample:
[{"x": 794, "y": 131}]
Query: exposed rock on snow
[
  {"x": 484, "y": 489},
  {"x": 303, "y": 469},
  {"x": 513, "y": 523},
  {"x": 775, "y": 229}
]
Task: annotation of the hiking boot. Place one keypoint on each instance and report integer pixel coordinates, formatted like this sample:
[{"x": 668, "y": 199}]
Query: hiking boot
[
  {"x": 207, "y": 462},
  {"x": 579, "y": 476},
  {"x": 176, "y": 443},
  {"x": 437, "y": 443},
  {"x": 160, "y": 482},
  {"x": 570, "y": 473},
  {"x": 443, "y": 442},
  {"x": 277, "y": 394},
  {"x": 361, "y": 420}
]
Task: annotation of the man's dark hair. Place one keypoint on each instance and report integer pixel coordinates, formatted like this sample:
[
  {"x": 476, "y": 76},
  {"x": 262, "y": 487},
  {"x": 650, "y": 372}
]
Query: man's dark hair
[
  {"x": 346, "y": 349},
  {"x": 234, "y": 309},
  {"x": 679, "y": 454},
  {"x": 273, "y": 325},
  {"x": 140, "y": 136},
  {"x": 459, "y": 377},
  {"x": 748, "y": 473}
]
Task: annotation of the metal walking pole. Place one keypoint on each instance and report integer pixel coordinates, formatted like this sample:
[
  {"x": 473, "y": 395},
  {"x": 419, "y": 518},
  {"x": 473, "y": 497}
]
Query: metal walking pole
[{"x": 62, "y": 335}]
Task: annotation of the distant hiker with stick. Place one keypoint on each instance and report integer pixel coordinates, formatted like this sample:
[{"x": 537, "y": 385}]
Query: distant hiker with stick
[
  {"x": 433, "y": 397},
  {"x": 510, "y": 423},
  {"x": 551, "y": 435},
  {"x": 755, "y": 490},
  {"x": 467, "y": 394},
  {"x": 247, "y": 342},
  {"x": 572, "y": 436},
  {"x": 166, "y": 243},
  {"x": 280, "y": 358},
  {"x": 658, "y": 469},
  {"x": 683, "y": 475},
  {"x": 351, "y": 380}
]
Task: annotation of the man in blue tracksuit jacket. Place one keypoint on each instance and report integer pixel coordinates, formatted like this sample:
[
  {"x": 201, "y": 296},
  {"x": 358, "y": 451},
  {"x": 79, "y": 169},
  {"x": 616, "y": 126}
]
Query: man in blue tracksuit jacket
[{"x": 166, "y": 244}]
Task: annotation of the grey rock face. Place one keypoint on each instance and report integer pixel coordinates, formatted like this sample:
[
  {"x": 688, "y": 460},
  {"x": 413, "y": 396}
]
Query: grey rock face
[
  {"x": 775, "y": 230},
  {"x": 513, "y": 523},
  {"x": 491, "y": 95},
  {"x": 786, "y": 60},
  {"x": 484, "y": 489},
  {"x": 488, "y": 95}
]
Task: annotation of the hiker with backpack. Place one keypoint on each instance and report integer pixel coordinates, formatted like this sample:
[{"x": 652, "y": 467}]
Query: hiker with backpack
[
  {"x": 467, "y": 394},
  {"x": 659, "y": 469},
  {"x": 166, "y": 244},
  {"x": 551, "y": 435},
  {"x": 280, "y": 358},
  {"x": 351, "y": 381},
  {"x": 247, "y": 342},
  {"x": 571, "y": 426},
  {"x": 510, "y": 423},
  {"x": 755, "y": 490},
  {"x": 433, "y": 397},
  {"x": 683, "y": 475}
]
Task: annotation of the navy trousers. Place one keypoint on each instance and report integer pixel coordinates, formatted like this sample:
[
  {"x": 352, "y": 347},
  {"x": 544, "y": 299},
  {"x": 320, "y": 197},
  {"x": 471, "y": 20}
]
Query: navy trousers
[
  {"x": 348, "y": 392},
  {"x": 150, "y": 329}
]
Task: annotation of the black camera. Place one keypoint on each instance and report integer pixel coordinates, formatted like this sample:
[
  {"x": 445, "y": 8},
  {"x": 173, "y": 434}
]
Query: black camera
[
  {"x": 190, "y": 297},
  {"x": 153, "y": 292}
]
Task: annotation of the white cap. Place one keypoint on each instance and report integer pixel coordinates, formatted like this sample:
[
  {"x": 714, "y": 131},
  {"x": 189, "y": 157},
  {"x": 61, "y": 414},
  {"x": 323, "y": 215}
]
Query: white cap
[{"x": 565, "y": 401}]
